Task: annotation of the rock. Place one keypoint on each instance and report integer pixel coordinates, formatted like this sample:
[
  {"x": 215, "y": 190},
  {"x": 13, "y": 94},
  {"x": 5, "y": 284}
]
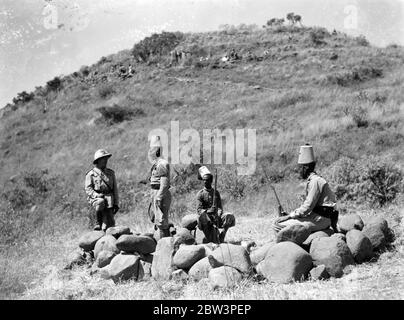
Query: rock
[
  {"x": 232, "y": 256},
  {"x": 224, "y": 277},
  {"x": 118, "y": 231},
  {"x": 340, "y": 236},
  {"x": 88, "y": 240},
  {"x": 106, "y": 243},
  {"x": 360, "y": 245},
  {"x": 259, "y": 254},
  {"x": 104, "y": 258},
  {"x": 350, "y": 222},
  {"x": 150, "y": 235},
  {"x": 190, "y": 221},
  {"x": 296, "y": 233},
  {"x": 184, "y": 236},
  {"x": 124, "y": 267},
  {"x": 333, "y": 253},
  {"x": 200, "y": 237},
  {"x": 146, "y": 268},
  {"x": 315, "y": 235},
  {"x": 376, "y": 236},
  {"x": 146, "y": 257},
  {"x": 379, "y": 222},
  {"x": 188, "y": 255},
  {"x": 131, "y": 243},
  {"x": 200, "y": 269},
  {"x": 179, "y": 275},
  {"x": 162, "y": 259},
  {"x": 319, "y": 273},
  {"x": 285, "y": 262}
]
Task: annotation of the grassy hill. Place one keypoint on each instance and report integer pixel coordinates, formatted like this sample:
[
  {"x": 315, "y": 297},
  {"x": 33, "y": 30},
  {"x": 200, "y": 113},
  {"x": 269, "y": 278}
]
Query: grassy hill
[{"x": 293, "y": 85}]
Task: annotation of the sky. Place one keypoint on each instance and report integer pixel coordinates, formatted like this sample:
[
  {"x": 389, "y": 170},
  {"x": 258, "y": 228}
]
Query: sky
[{"x": 41, "y": 39}]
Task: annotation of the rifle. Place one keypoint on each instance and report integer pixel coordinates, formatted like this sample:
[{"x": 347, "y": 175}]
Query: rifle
[
  {"x": 214, "y": 207},
  {"x": 280, "y": 208}
]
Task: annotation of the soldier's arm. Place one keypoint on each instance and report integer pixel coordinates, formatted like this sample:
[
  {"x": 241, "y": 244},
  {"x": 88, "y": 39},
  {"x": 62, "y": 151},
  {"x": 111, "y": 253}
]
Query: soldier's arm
[
  {"x": 89, "y": 187},
  {"x": 313, "y": 194},
  {"x": 199, "y": 203},
  {"x": 219, "y": 203}
]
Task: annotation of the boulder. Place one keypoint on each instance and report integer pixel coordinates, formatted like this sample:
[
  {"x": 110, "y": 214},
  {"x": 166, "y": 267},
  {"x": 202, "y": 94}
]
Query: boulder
[
  {"x": 188, "y": 255},
  {"x": 89, "y": 239},
  {"x": 190, "y": 221},
  {"x": 340, "y": 236},
  {"x": 231, "y": 255},
  {"x": 117, "y": 231},
  {"x": 315, "y": 235},
  {"x": 162, "y": 266},
  {"x": 376, "y": 229},
  {"x": 104, "y": 258},
  {"x": 150, "y": 235},
  {"x": 179, "y": 275},
  {"x": 106, "y": 243},
  {"x": 259, "y": 254},
  {"x": 183, "y": 236},
  {"x": 132, "y": 243},
  {"x": 200, "y": 237},
  {"x": 360, "y": 245},
  {"x": 319, "y": 273},
  {"x": 285, "y": 262},
  {"x": 146, "y": 257},
  {"x": 124, "y": 267},
  {"x": 333, "y": 253},
  {"x": 296, "y": 233},
  {"x": 350, "y": 222},
  {"x": 200, "y": 269},
  {"x": 224, "y": 277}
]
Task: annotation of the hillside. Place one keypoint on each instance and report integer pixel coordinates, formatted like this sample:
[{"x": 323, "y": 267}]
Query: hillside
[{"x": 292, "y": 84}]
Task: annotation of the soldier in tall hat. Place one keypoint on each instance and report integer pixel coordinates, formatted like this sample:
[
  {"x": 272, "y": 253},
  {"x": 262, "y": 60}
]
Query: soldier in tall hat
[
  {"x": 318, "y": 211},
  {"x": 210, "y": 210},
  {"x": 160, "y": 188},
  {"x": 102, "y": 191}
]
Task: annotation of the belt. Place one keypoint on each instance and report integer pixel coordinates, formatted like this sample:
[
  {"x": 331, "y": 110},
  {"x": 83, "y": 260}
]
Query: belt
[{"x": 155, "y": 186}]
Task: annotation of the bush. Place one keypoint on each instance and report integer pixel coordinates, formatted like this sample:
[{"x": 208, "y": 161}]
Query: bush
[
  {"x": 105, "y": 90},
  {"x": 117, "y": 114},
  {"x": 317, "y": 36},
  {"x": 362, "y": 41},
  {"x": 374, "y": 180},
  {"x": 54, "y": 84},
  {"x": 357, "y": 74},
  {"x": 358, "y": 114}
]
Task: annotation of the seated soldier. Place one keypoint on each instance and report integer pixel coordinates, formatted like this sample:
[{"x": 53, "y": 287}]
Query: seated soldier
[
  {"x": 102, "y": 192},
  {"x": 210, "y": 214},
  {"x": 318, "y": 211}
]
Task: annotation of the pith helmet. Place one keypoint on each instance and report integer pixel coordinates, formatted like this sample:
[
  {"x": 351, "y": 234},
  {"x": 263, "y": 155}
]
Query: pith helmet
[
  {"x": 204, "y": 172},
  {"x": 306, "y": 155},
  {"x": 101, "y": 153},
  {"x": 155, "y": 142}
]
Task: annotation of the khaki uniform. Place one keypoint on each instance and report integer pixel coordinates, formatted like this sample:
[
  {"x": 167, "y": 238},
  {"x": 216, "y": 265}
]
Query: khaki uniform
[
  {"x": 206, "y": 222},
  {"x": 160, "y": 191},
  {"x": 102, "y": 194},
  {"x": 319, "y": 196}
]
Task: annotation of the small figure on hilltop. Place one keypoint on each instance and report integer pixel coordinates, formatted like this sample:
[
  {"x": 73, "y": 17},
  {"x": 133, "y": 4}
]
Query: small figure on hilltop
[
  {"x": 210, "y": 210},
  {"x": 102, "y": 191},
  {"x": 318, "y": 211},
  {"x": 160, "y": 188}
]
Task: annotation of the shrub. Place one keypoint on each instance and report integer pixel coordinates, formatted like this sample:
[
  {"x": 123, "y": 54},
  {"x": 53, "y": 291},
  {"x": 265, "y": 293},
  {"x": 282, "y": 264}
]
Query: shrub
[
  {"x": 54, "y": 84},
  {"x": 117, "y": 114},
  {"x": 374, "y": 179},
  {"x": 362, "y": 41},
  {"x": 358, "y": 114},
  {"x": 105, "y": 90},
  {"x": 317, "y": 36},
  {"x": 357, "y": 74}
]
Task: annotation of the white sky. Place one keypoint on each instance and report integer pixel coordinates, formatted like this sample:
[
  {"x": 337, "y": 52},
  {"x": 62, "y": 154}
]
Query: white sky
[{"x": 33, "y": 50}]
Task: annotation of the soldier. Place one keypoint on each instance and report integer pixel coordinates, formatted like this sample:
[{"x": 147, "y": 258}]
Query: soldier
[
  {"x": 211, "y": 216},
  {"x": 318, "y": 211},
  {"x": 160, "y": 188},
  {"x": 102, "y": 191}
]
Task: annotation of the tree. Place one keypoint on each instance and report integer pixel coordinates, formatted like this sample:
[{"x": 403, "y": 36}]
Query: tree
[
  {"x": 298, "y": 18},
  {"x": 291, "y": 18}
]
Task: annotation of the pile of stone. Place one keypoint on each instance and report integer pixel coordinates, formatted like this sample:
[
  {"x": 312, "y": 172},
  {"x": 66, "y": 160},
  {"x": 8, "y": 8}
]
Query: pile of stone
[{"x": 295, "y": 255}]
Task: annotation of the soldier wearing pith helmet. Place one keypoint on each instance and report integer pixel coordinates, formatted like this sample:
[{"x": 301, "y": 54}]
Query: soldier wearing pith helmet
[
  {"x": 160, "y": 188},
  {"x": 102, "y": 191},
  {"x": 318, "y": 211}
]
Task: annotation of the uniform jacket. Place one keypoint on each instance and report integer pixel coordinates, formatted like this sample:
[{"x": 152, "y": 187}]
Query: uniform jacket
[
  {"x": 318, "y": 194},
  {"x": 160, "y": 175},
  {"x": 204, "y": 200},
  {"x": 101, "y": 182}
]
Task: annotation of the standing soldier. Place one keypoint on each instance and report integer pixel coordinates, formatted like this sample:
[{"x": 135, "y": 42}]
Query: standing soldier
[
  {"x": 160, "y": 188},
  {"x": 102, "y": 191},
  {"x": 318, "y": 211},
  {"x": 210, "y": 214}
]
